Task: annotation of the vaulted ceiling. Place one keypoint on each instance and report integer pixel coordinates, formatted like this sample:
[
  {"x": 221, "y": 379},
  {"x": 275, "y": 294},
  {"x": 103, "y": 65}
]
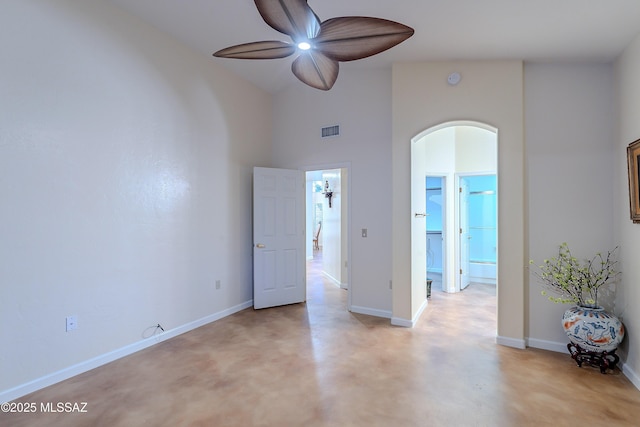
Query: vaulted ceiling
[{"x": 533, "y": 30}]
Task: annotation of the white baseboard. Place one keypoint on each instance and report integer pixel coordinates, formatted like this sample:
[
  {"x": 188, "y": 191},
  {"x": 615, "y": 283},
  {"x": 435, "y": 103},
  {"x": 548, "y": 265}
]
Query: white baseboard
[
  {"x": 511, "y": 342},
  {"x": 483, "y": 280},
  {"x": 405, "y": 323},
  {"x": 399, "y": 321},
  {"x": 331, "y": 278},
  {"x": 631, "y": 374},
  {"x": 547, "y": 345},
  {"x": 87, "y": 365},
  {"x": 419, "y": 313},
  {"x": 371, "y": 311}
]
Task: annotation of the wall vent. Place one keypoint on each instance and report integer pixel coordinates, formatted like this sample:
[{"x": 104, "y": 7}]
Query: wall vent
[{"x": 330, "y": 131}]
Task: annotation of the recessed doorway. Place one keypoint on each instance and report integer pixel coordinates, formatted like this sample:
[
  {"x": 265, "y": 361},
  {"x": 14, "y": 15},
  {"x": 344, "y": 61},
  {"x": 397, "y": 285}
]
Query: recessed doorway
[
  {"x": 454, "y": 224},
  {"x": 327, "y": 244}
]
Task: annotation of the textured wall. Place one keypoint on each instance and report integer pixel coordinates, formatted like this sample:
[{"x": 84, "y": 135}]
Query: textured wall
[{"x": 125, "y": 180}]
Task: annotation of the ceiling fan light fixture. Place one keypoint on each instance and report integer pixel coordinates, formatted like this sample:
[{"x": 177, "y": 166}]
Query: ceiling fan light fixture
[{"x": 324, "y": 44}]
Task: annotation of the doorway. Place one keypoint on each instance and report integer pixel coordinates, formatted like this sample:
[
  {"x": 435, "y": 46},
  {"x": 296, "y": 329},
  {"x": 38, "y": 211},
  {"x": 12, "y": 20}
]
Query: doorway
[
  {"x": 327, "y": 241},
  {"x": 463, "y": 154},
  {"x": 435, "y": 225},
  {"x": 478, "y": 229}
]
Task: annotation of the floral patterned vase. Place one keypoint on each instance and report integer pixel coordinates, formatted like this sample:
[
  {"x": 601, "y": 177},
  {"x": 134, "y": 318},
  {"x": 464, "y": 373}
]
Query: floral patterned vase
[{"x": 593, "y": 329}]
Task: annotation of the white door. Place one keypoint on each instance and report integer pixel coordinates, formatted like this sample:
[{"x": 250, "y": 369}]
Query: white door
[
  {"x": 464, "y": 233},
  {"x": 278, "y": 237}
]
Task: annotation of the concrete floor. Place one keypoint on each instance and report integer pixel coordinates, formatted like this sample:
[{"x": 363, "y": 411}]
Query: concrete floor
[{"x": 316, "y": 364}]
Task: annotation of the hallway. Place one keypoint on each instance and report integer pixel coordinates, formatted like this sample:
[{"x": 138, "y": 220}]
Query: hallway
[{"x": 321, "y": 290}]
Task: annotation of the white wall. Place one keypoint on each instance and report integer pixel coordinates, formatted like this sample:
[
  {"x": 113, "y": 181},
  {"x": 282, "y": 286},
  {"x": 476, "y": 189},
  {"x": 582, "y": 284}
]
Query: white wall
[
  {"x": 475, "y": 150},
  {"x": 440, "y": 153},
  {"x": 125, "y": 180},
  {"x": 569, "y": 131},
  {"x": 361, "y": 103},
  {"x": 439, "y": 150},
  {"x": 344, "y": 228},
  {"x": 332, "y": 227},
  {"x": 627, "y": 234},
  {"x": 490, "y": 92},
  {"x": 419, "y": 170}
]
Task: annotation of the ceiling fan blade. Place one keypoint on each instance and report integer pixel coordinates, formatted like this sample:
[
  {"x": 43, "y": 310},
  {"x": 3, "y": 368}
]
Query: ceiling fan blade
[
  {"x": 258, "y": 50},
  {"x": 316, "y": 70},
  {"x": 292, "y": 17},
  {"x": 356, "y": 37}
]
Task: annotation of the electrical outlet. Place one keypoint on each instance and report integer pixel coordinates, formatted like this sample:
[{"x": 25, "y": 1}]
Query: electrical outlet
[
  {"x": 217, "y": 284},
  {"x": 72, "y": 323}
]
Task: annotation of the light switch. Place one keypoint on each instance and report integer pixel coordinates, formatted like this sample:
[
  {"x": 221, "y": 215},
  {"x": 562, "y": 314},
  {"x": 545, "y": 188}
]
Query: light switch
[{"x": 364, "y": 232}]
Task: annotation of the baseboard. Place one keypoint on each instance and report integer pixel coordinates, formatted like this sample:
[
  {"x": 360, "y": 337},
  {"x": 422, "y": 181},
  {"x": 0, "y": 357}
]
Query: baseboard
[
  {"x": 483, "y": 280},
  {"x": 87, "y": 365},
  {"x": 547, "y": 345},
  {"x": 511, "y": 342},
  {"x": 420, "y": 311},
  {"x": 405, "y": 323},
  {"x": 371, "y": 311},
  {"x": 631, "y": 375},
  {"x": 399, "y": 321},
  {"x": 331, "y": 278}
]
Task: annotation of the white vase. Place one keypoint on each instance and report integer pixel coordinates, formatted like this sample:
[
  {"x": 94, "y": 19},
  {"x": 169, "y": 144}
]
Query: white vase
[{"x": 593, "y": 329}]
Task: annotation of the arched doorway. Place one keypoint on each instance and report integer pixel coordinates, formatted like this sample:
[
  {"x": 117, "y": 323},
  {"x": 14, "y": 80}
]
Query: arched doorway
[{"x": 454, "y": 169}]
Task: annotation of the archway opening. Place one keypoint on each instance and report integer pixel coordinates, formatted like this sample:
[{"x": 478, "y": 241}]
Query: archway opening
[{"x": 454, "y": 199}]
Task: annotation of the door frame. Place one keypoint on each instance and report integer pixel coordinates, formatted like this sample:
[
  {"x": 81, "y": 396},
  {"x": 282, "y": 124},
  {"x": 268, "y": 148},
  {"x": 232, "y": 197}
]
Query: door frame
[
  {"x": 460, "y": 258},
  {"x": 458, "y": 176},
  {"x": 444, "y": 179},
  {"x": 347, "y": 166}
]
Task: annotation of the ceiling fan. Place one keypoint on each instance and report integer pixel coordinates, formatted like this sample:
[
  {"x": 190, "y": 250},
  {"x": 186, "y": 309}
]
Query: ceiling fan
[{"x": 321, "y": 45}]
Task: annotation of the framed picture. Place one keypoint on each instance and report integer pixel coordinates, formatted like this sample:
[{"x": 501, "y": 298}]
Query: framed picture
[{"x": 633, "y": 158}]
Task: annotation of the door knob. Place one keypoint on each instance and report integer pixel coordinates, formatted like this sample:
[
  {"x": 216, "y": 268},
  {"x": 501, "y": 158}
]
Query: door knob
[
  {"x": 420, "y": 215},
  {"x": 260, "y": 246}
]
